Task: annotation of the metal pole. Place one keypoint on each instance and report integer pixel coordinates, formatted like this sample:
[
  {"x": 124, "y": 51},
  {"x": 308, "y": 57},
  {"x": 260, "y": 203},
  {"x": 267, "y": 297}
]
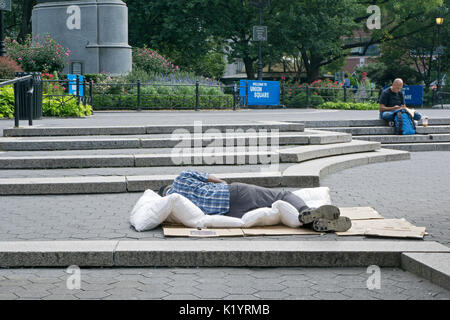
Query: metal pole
[
  {"x": 2, "y": 35},
  {"x": 260, "y": 44},
  {"x": 139, "y": 95},
  {"x": 30, "y": 102},
  {"x": 16, "y": 104},
  {"x": 439, "y": 62},
  {"x": 78, "y": 90},
  {"x": 196, "y": 95}
]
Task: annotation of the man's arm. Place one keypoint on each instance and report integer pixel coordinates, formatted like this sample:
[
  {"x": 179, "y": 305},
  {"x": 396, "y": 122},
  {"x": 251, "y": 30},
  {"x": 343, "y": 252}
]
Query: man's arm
[{"x": 384, "y": 108}]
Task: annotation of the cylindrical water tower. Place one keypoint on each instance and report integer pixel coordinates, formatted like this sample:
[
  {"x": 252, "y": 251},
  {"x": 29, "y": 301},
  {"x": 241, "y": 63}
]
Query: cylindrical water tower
[{"x": 95, "y": 31}]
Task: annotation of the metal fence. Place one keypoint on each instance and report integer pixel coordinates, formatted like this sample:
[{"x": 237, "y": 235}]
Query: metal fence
[
  {"x": 303, "y": 96},
  {"x": 154, "y": 96}
]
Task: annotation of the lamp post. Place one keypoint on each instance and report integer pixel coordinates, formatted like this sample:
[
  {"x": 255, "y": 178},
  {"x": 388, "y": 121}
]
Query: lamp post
[
  {"x": 260, "y": 5},
  {"x": 5, "y": 5},
  {"x": 2, "y": 43},
  {"x": 439, "y": 22}
]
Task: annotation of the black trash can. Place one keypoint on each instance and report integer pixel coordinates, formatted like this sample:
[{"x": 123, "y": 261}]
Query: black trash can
[{"x": 22, "y": 89}]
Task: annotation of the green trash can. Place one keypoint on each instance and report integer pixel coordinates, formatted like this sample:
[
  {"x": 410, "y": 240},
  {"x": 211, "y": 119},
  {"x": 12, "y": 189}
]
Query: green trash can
[{"x": 21, "y": 92}]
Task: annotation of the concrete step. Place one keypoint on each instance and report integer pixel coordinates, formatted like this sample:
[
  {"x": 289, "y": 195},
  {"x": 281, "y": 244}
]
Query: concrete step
[
  {"x": 416, "y": 138},
  {"x": 154, "y": 129},
  {"x": 178, "y": 156},
  {"x": 358, "y": 131},
  {"x": 362, "y": 123},
  {"x": 433, "y": 266},
  {"x": 211, "y": 253},
  {"x": 419, "y": 147},
  {"x": 173, "y": 140},
  {"x": 311, "y": 172},
  {"x": 304, "y": 175}
]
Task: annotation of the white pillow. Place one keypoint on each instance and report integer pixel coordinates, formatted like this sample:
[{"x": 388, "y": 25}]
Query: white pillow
[
  {"x": 314, "y": 197},
  {"x": 219, "y": 221},
  {"x": 150, "y": 210},
  {"x": 184, "y": 211}
]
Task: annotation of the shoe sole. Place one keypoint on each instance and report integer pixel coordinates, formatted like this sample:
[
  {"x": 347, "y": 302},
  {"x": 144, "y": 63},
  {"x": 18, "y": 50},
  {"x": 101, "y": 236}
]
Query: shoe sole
[
  {"x": 341, "y": 224},
  {"x": 323, "y": 212}
]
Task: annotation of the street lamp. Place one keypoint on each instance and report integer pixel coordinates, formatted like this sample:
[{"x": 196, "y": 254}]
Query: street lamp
[
  {"x": 439, "y": 22},
  {"x": 260, "y": 5}
]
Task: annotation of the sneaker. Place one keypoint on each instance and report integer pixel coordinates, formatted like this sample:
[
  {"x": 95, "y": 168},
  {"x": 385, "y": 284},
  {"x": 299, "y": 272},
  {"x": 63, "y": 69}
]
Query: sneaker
[
  {"x": 323, "y": 212},
  {"x": 163, "y": 190},
  {"x": 341, "y": 224},
  {"x": 391, "y": 124}
]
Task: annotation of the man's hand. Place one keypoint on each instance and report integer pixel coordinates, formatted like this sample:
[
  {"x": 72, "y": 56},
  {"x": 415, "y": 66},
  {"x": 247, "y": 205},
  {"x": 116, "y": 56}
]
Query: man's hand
[{"x": 214, "y": 179}]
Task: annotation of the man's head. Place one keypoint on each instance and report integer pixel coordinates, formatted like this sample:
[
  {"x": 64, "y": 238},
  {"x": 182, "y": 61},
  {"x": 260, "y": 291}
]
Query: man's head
[{"x": 397, "y": 85}]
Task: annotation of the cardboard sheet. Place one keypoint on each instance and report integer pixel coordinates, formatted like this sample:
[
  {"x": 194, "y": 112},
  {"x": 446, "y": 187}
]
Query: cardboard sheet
[
  {"x": 360, "y": 213},
  {"x": 399, "y": 228},
  {"x": 366, "y": 221}
]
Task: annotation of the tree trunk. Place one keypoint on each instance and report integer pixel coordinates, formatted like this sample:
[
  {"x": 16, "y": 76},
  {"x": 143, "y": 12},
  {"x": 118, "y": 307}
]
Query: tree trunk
[
  {"x": 249, "y": 69},
  {"x": 25, "y": 26}
]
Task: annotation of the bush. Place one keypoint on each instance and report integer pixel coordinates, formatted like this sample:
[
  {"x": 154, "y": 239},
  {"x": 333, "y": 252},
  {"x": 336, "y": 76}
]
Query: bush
[
  {"x": 151, "y": 61},
  {"x": 349, "y": 106},
  {"x": 7, "y": 102},
  {"x": 64, "y": 106},
  {"x": 45, "y": 57},
  {"x": 8, "y": 68},
  {"x": 299, "y": 100}
]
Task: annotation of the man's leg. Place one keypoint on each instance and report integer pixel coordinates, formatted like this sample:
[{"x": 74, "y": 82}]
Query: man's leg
[
  {"x": 387, "y": 116},
  {"x": 246, "y": 197},
  {"x": 417, "y": 116}
]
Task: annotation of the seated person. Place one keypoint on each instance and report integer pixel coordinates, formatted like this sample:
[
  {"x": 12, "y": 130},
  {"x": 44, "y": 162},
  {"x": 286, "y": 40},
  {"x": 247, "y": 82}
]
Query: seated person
[
  {"x": 392, "y": 99},
  {"x": 214, "y": 196}
]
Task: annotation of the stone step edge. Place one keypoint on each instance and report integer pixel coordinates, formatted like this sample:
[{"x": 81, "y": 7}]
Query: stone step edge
[
  {"x": 419, "y": 147},
  {"x": 362, "y": 123},
  {"x": 415, "y": 138},
  {"x": 303, "y": 175},
  {"x": 434, "y": 267},
  {"x": 210, "y": 253},
  {"x": 315, "y": 138},
  {"x": 294, "y": 154},
  {"x": 126, "y": 130}
]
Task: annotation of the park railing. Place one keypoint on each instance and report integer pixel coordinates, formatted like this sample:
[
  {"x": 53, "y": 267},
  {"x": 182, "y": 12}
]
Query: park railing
[
  {"x": 153, "y": 96},
  {"x": 304, "y": 96},
  {"x": 27, "y": 96}
]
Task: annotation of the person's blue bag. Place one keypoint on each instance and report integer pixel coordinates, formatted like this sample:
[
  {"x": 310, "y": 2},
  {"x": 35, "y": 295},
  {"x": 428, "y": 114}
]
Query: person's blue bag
[{"x": 404, "y": 123}]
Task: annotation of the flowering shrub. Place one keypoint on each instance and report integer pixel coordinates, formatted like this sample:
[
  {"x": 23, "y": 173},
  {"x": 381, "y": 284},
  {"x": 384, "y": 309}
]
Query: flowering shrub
[
  {"x": 151, "y": 61},
  {"x": 8, "y": 68},
  {"x": 349, "y": 106},
  {"x": 41, "y": 57}
]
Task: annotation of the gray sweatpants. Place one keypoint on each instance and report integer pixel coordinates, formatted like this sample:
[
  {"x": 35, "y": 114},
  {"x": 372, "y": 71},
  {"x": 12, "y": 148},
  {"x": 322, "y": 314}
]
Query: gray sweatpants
[{"x": 245, "y": 197}]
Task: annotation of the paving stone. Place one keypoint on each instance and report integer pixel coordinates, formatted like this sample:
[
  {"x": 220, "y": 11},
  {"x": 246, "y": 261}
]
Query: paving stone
[
  {"x": 181, "y": 297},
  {"x": 330, "y": 296},
  {"x": 92, "y": 294},
  {"x": 271, "y": 294}
]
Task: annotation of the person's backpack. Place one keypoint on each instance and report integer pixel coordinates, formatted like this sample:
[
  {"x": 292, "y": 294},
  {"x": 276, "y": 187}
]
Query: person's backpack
[{"x": 404, "y": 123}]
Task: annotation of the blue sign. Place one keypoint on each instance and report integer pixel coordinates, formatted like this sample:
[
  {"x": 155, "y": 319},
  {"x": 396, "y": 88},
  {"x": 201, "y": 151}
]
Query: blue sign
[
  {"x": 73, "y": 84},
  {"x": 413, "y": 95},
  {"x": 262, "y": 93}
]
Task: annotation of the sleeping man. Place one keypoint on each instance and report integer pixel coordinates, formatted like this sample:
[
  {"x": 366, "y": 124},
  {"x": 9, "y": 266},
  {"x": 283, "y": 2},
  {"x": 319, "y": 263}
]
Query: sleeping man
[{"x": 214, "y": 196}]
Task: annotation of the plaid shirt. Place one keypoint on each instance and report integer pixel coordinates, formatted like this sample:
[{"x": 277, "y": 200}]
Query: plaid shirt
[{"x": 212, "y": 198}]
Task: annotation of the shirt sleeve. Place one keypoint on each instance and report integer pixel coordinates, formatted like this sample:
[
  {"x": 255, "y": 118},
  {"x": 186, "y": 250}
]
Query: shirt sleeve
[
  {"x": 198, "y": 175},
  {"x": 383, "y": 98}
]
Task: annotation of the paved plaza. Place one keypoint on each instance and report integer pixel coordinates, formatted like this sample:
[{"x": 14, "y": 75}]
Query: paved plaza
[{"x": 413, "y": 189}]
